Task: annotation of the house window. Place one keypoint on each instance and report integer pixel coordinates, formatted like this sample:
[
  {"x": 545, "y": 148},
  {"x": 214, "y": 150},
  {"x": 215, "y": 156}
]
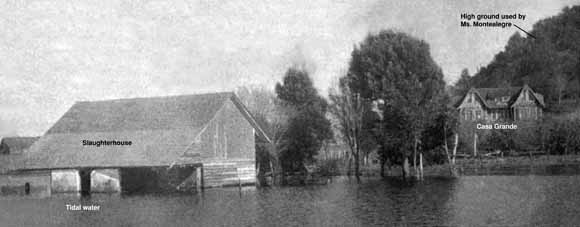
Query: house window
[
  {"x": 478, "y": 114},
  {"x": 468, "y": 115},
  {"x": 529, "y": 112}
]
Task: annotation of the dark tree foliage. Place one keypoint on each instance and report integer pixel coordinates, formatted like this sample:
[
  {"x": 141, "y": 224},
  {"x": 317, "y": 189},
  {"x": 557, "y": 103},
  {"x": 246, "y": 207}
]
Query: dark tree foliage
[
  {"x": 397, "y": 72},
  {"x": 439, "y": 133},
  {"x": 550, "y": 63},
  {"x": 563, "y": 135},
  {"x": 308, "y": 126},
  {"x": 463, "y": 84}
]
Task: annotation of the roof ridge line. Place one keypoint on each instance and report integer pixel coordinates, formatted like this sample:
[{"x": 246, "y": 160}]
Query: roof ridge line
[
  {"x": 157, "y": 97},
  {"x": 115, "y": 131}
]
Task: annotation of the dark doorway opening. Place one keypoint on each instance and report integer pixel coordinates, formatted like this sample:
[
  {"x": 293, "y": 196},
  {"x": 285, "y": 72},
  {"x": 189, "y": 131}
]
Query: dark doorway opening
[
  {"x": 85, "y": 175},
  {"x": 27, "y": 188},
  {"x": 136, "y": 180}
]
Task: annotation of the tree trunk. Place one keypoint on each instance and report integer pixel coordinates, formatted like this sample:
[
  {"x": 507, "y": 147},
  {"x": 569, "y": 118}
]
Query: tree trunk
[
  {"x": 415, "y": 157},
  {"x": 348, "y": 166},
  {"x": 451, "y": 159},
  {"x": 383, "y": 167},
  {"x": 405, "y": 168},
  {"x": 421, "y": 165},
  {"x": 474, "y": 144},
  {"x": 455, "y": 148},
  {"x": 357, "y": 166}
]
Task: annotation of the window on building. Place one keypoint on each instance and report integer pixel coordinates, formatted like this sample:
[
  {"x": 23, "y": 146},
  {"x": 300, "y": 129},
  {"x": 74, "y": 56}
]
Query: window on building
[
  {"x": 478, "y": 114},
  {"x": 530, "y": 114}
]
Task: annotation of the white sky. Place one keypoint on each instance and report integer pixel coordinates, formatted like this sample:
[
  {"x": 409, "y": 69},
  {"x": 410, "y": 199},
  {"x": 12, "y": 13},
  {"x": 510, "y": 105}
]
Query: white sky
[{"x": 53, "y": 53}]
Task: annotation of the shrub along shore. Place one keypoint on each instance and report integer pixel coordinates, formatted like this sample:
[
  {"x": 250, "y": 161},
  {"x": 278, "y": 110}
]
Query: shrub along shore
[{"x": 538, "y": 164}]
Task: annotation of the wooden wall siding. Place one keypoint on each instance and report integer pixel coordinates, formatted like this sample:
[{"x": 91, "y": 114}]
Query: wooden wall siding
[
  {"x": 228, "y": 136},
  {"x": 227, "y": 149},
  {"x": 14, "y": 183},
  {"x": 229, "y": 173},
  {"x": 526, "y": 107}
]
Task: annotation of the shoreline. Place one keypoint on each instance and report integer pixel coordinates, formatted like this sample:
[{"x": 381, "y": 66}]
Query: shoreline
[{"x": 512, "y": 165}]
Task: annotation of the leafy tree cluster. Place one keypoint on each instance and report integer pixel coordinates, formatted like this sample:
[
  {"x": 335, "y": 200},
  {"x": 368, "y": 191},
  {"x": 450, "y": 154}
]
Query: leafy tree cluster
[
  {"x": 307, "y": 126},
  {"x": 294, "y": 116},
  {"x": 563, "y": 135},
  {"x": 397, "y": 73}
]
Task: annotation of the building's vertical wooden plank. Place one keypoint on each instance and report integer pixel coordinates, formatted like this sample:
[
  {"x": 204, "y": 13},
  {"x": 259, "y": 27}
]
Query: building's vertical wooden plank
[
  {"x": 225, "y": 144},
  {"x": 50, "y": 182},
  {"x": 215, "y": 140},
  {"x": 199, "y": 178}
]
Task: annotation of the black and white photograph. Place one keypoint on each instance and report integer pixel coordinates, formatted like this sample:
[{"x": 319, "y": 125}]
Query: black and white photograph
[{"x": 289, "y": 113}]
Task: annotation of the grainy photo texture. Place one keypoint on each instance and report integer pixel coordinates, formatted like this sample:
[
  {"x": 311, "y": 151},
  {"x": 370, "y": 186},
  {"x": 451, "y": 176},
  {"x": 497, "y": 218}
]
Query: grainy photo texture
[{"x": 289, "y": 113}]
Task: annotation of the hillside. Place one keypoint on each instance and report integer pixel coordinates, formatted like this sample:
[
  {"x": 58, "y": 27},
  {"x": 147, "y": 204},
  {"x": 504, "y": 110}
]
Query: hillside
[{"x": 549, "y": 63}]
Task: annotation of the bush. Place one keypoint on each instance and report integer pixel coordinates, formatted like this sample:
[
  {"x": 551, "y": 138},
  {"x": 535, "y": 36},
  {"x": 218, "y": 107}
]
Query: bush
[{"x": 329, "y": 167}]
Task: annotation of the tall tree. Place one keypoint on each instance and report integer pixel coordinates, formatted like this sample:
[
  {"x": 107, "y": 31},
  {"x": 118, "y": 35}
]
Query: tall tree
[
  {"x": 463, "y": 84},
  {"x": 349, "y": 109},
  {"x": 397, "y": 71},
  {"x": 308, "y": 126}
]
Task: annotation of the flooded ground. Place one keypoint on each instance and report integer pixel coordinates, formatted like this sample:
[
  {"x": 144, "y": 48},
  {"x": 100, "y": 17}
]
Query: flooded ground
[{"x": 549, "y": 199}]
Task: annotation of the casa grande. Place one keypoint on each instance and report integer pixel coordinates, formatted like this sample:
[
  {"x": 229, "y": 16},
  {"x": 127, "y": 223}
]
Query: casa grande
[{"x": 497, "y": 126}]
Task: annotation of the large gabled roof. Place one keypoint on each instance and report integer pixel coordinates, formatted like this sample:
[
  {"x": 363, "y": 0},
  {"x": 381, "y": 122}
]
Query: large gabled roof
[
  {"x": 494, "y": 97},
  {"x": 156, "y": 113},
  {"x": 162, "y": 130}
]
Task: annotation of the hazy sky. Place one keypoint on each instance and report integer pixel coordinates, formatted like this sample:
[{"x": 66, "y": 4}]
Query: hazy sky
[{"x": 53, "y": 53}]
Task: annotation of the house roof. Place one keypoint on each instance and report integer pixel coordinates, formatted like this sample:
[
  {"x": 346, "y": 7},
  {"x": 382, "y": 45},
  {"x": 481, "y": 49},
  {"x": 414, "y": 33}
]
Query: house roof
[
  {"x": 148, "y": 148},
  {"x": 18, "y": 144},
  {"x": 501, "y": 97},
  {"x": 498, "y": 97},
  {"x": 162, "y": 130}
]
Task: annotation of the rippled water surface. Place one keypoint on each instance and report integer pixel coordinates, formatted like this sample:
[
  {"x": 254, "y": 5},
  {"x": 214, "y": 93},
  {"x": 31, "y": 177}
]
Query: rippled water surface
[{"x": 498, "y": 200}]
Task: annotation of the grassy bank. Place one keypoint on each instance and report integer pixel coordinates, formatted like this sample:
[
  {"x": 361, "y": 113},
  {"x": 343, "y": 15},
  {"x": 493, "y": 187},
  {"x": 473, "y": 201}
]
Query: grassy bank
[{"x": 468, "y": 166}]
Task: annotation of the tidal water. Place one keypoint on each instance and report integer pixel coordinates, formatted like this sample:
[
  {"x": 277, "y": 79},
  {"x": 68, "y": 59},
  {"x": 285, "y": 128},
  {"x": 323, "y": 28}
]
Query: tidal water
[{"x": 479, "y": 200}]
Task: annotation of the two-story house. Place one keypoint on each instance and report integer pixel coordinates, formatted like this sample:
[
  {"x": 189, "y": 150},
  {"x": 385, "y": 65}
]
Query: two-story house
[{"x": 501, "y": 104}]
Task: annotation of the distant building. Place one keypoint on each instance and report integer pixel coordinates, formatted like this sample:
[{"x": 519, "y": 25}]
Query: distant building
[
  {"x": 183, "y": 141},
  {"x": 11, "y": 149},
  {"x": 501, "y": 104},
  {"x": 16, "y": 145}
]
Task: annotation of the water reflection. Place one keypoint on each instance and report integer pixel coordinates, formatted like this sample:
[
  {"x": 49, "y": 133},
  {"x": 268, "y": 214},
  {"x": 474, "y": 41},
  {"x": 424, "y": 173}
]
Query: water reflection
[{"x": 467, "y": 201}]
